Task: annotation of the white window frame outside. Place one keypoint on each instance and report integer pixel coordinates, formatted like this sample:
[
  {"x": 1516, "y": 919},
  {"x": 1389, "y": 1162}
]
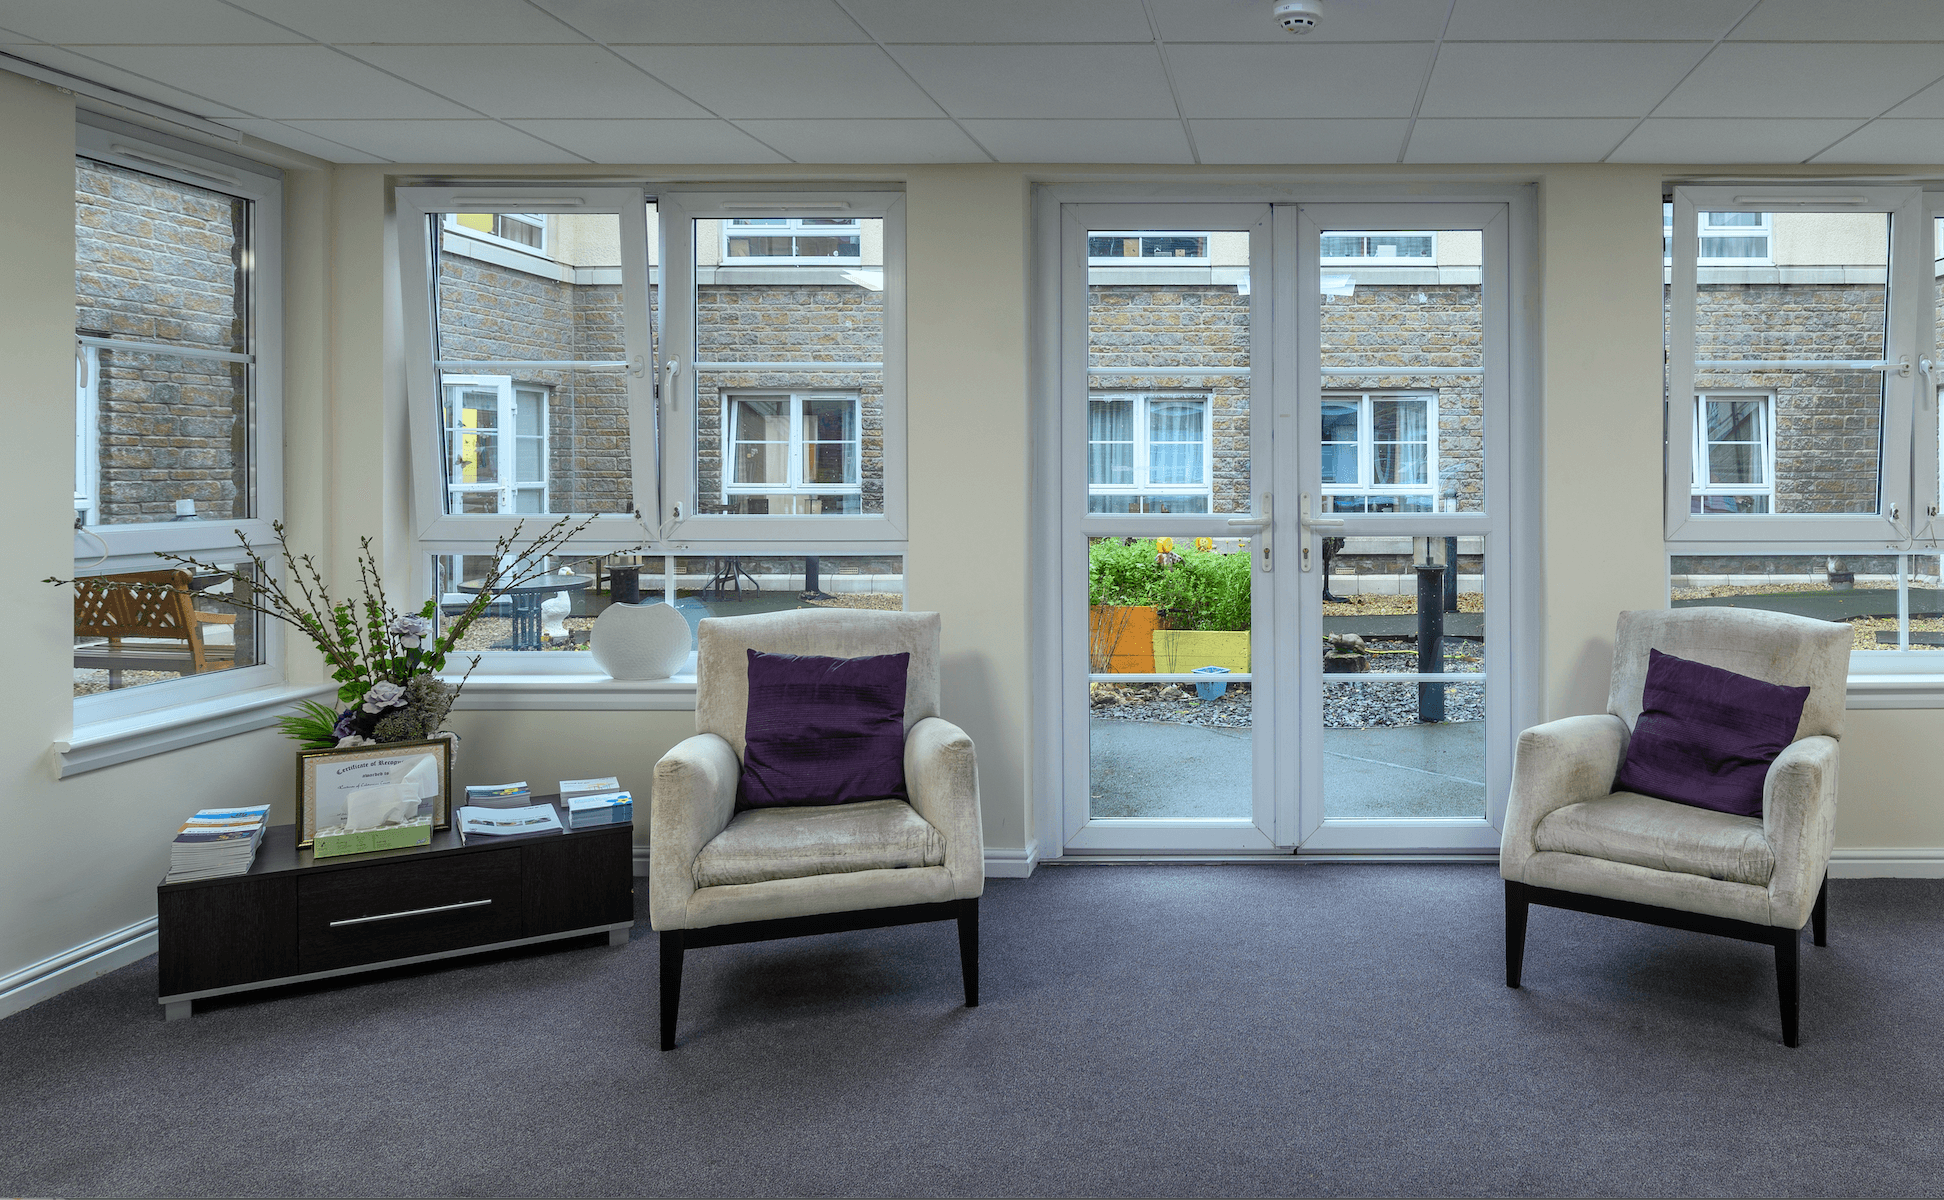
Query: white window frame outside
[
  {"x": 796, "y": 485},
  {"x": 1367, "y": 449},
  {"x": 87, "y": 432},
  {"x": 1108, "y": 260},
  {"x": 1766, "y": 231},
  {"x": 509, "y": 485},
  {"x": 109, "y": 549},
  {"x": 451, "y": 224},
  {"x": 793, "y": 228},
  {"x": 1704, "y": 485},
  {"x": 727, "y": 533},
  {"x": 1365, "y": 260},
  {"x": 1143, "y": 462}
]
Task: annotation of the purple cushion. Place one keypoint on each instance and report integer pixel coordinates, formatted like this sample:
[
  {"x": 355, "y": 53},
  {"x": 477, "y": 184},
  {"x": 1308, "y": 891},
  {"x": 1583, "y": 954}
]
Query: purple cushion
[
  {"x": 1706, "y": 736},
  {"x": 823, "y": 730}
]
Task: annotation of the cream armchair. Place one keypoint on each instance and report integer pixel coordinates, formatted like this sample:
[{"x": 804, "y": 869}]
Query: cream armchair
[
  {"x": 719, "y": 877},
  {"x": 1571, "y": 841}
]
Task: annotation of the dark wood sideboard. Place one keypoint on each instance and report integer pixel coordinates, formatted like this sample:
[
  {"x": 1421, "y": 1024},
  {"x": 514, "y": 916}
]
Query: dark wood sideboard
[{"x": 295, "y": 918}]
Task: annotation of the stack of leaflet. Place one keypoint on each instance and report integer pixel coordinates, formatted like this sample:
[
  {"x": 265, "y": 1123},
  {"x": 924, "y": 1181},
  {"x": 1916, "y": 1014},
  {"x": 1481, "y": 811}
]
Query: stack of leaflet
[
  {"x": 596, "y": 802},
  {"x": 217, "y": 842},
  {"x": 498, "y": 795}
]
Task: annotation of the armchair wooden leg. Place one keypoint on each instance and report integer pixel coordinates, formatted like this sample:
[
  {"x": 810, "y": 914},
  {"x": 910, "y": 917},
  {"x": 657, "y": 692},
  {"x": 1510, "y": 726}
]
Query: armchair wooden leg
[
  {"x": 1517, "y": 905},
  {"x": 1819, "y": 915},
  {"x": 671, "y": 984},
  {"x": 968, "y": 926},
  {"x": 1787, "y": 955}
]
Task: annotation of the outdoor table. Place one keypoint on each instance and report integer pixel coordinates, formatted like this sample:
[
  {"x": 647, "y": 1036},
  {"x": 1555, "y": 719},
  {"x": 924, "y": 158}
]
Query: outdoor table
[{"x": 525, "y": 601}]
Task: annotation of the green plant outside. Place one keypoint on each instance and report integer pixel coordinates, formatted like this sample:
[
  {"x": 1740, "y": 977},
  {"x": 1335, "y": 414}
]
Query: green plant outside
[{"x": 1203, "y": 591}]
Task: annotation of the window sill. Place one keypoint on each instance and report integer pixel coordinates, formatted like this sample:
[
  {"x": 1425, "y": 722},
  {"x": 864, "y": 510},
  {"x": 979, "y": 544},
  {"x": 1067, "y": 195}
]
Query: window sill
[
  {"x": 543, "y": 682},
  {"x": 1896, "y": 690},
  {"x": 124, "y": 739}
]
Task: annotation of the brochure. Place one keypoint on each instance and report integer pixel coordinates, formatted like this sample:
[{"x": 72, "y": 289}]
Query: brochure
[{"x": 498, "y": 822}]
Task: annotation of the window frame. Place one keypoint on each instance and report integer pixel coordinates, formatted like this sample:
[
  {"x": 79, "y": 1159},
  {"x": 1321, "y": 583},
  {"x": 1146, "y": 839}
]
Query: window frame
[
  {"x": 1143, "y": 449},
  {"x": 794, "y": 230},
  {"x": 1903, "y": 418},
  {"x": 1702, "y": 471},
  {"x": 730, "y": 533},
  {"x": 794, "y": 447},
  {"x": 109, "y": 549},
  {"x": 1203, "y": 260},
  {"x": 450, "y": 224},
  {"x": 1366, "y": 484},
  {"x": 1365, "y": 260}
]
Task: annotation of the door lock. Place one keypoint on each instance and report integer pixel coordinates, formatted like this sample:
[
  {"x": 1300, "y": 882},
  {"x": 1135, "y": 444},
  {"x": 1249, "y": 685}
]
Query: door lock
[
  {"x": 1264, "y": 525},
  {"x": 1309, "y": 524}
]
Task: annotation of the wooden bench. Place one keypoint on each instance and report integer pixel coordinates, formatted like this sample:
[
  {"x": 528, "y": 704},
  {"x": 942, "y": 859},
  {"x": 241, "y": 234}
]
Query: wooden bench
[{"x": 155, "y": 608}]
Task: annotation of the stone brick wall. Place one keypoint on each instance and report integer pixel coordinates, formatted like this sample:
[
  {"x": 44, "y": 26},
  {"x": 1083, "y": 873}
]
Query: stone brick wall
[
  {"x": 787, "y": 323},
  {"x": 161, "y": 261},
  {"x": 489, "y": 312}
]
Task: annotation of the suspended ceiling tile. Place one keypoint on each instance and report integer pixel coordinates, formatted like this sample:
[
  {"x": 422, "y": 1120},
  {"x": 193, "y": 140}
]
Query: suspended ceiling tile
[
  {"x": 137, "y": 22},
  {"x": 1633, "y": 20},
  {"x": 645, "y": 141},
  {"x": 1254, "y": 21},
  {"x": 1729, "y": 140},
  {"x": 475, "y": 141},
  {"x": 99, "y": 72},
  {"x": 1002, "y": 21},
  {"x": 787, "y": 81},
  {"x": 1053, "y": 82},
  {"x": 869, "y": 141},
  {"x": 1083, "y": 141},
  {"x": 301, "y": 140},
  {"x": 1927, "y": 103},
  {"x": 1515, "y": 139},
  {"x": 1890, "y": 141},
  {"x": 533, "y": 81},
  {"x": 1298, "y": 80},
  {"x": 1556, "y": 79},
  {"x": 1849, "y": 21},
  {"x": 1298, "y": 140},
  {"x": 783, "y": 22},
  {"x": 429, "y": 21},
  {"x": 283, "y": 81},
  {"x": 1772, "y": 79}
]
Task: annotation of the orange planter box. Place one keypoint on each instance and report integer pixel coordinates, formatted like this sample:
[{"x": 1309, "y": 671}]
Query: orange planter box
[{"x": 1120, "y": 640}]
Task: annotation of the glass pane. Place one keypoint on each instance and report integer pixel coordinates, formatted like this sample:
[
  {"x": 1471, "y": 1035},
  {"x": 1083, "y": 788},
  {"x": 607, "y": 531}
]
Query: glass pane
[
  {"x": 547, "y": 328},
  {"x": 1409, "y": 749},
  {"x": 732, "y": 585},
  {"x": 146, "y": 627},
  {"x": 1169, "y": 748},
  {"x": 1859, "y": 590},
  {"x": 1161, "y": 440},
  {"x": 1781, "y": 312},
  {"x": 556, "y": 613},
  {"x": 164, "y": 262},
  {"x": 1393, "y": 302},
  {"x": 804, "y": 320},
  {"x": 1734, "y": 463}
]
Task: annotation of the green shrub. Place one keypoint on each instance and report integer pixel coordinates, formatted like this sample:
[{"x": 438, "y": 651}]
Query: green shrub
[
  {"x": 1204, "y": 591},
  {"x": 1122, "y": 574}
]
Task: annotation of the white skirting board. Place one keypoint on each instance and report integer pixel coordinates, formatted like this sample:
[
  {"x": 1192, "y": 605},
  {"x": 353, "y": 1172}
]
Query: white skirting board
[
  {"x": 1886, "y": 862},
  {"x": 51, "y": 976}
]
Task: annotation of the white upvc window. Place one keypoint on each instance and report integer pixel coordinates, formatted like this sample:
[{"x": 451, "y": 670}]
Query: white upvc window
[
  {"x": 496, "y": 444},
  {"x": 1148, "y": 453},
  {"x": 792, "y": 240},
  {"x": 178, "y": 395},
  {"x": 793, "y": 454},
  {"x": 1734, "y": 453},
  {"x": 1147, "y": 247},
  {"x": 1384, "y": 247},
  {"x": 520, "y": 231},
  {"x": 1727, "y": 239},
  {"x": 1380, "y": 451}
]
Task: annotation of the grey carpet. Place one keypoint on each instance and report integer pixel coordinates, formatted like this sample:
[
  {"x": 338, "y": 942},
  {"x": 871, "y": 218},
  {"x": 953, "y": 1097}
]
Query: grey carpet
[{"x": 1239, "y": 1030}]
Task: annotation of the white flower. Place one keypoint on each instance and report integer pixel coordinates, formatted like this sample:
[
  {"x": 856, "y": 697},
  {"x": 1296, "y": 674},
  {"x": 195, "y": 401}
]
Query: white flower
[
  {"x": 410, "y": 630},
  {"x": 352, "y": 740},
  {"x": 383, "y": 694}
]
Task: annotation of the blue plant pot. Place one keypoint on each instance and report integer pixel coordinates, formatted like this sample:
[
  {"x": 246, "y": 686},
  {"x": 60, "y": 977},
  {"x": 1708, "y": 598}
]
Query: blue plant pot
[{"x": 1211, "y": 691}]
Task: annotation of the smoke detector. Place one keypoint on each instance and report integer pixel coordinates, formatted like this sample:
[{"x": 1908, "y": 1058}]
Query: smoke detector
[{"x": 1298, "y": 16}]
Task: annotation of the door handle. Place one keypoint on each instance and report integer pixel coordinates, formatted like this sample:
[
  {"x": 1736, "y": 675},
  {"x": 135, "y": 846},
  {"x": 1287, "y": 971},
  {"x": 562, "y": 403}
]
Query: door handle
[
  {"x": 669, "y": 370},
  {"x": 1310, "y": 524},
  {"x": 1264, "y": 525}
]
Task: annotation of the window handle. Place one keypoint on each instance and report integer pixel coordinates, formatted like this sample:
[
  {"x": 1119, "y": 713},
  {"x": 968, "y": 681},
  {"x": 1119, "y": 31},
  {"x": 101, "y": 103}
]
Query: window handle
[
  {"x": 1263, "y": 523},
  {"x": 669, "y": 371}
]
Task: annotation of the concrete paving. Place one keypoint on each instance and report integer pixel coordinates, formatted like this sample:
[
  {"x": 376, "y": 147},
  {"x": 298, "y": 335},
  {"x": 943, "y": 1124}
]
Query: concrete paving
[{"x": 1158, "y": 769}]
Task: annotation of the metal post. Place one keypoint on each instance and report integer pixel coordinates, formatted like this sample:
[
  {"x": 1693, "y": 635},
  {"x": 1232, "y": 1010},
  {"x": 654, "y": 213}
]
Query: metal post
[
  {"x": 1451, "y": 575},
  {"x": 1430, "y": 640},
  {"x": 812, "y": 585}
]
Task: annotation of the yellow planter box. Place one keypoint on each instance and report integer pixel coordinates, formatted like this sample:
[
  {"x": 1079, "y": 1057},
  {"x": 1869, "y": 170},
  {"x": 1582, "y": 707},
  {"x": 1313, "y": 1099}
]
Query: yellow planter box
[{"x": 1177, "y": 651}]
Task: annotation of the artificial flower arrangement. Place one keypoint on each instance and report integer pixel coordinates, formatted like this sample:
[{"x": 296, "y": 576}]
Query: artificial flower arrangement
[{"x": 386, "y": 662}]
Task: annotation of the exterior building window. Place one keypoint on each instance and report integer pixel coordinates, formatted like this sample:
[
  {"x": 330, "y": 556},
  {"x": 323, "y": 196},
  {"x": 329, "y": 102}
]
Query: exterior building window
[
  {"x": 1728, "y": 239},
  {"x": 528, "y": 231},
  {"x": 1379, "y": 452},
  {"x": 747, "y": 240},
  {"x": 1734, "y": 454},
  {"x": 496, "y": 444},
  {"x": 1110, "y": 248},
  {"x": 1148, "y": 454},
  {"x": 795, "y": 454},
  {"x": 1350, "y": 246}
]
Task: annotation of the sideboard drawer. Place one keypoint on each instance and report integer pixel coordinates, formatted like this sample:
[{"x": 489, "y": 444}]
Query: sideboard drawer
[{"x": 398, "y": 910}]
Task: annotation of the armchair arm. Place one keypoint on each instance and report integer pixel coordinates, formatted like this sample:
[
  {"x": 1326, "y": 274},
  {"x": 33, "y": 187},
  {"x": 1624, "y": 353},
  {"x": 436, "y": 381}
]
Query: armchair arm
[
  {"x": 1559, "y": 763},
  {"x": 693, "y": 798},
  {"x": 942, "y": 776},
  {"x": 1799, "y": 819}
]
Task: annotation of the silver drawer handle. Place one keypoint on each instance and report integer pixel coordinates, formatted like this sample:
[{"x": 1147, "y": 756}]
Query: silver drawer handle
[{"x": 410, "y": 912}]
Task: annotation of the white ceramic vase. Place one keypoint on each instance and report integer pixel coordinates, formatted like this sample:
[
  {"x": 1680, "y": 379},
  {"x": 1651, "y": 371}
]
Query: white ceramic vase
[{"x": 640, "y": 641}]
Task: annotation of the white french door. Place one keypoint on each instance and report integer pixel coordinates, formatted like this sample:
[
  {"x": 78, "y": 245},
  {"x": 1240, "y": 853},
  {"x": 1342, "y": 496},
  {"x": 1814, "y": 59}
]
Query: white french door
[
  {"x": 1285, "y": 431},
  {"x": 496, "y": 439}
]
